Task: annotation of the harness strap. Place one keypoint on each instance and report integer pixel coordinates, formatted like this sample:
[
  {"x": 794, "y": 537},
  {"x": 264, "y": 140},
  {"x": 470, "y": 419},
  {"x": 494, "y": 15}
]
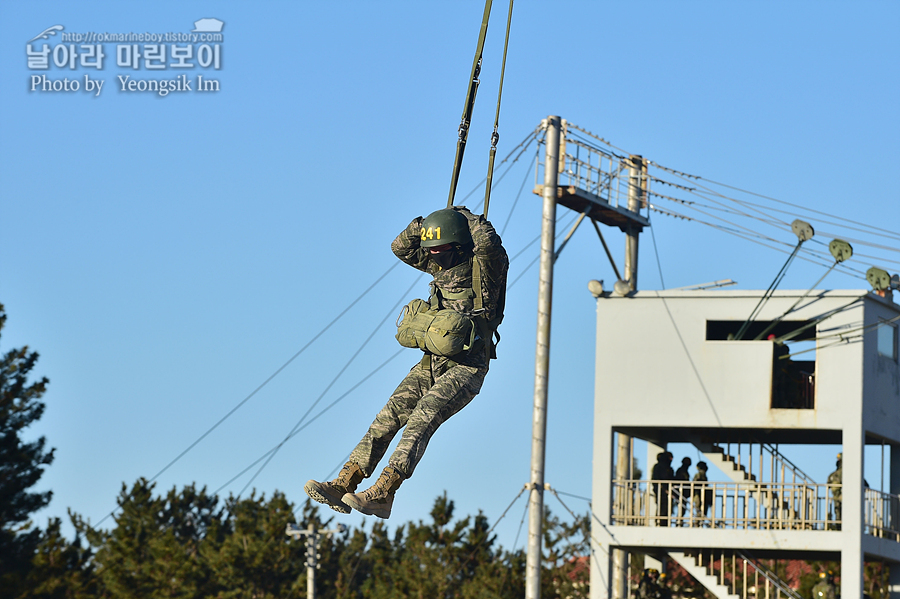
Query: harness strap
[
  {"x": 486, "y": 329},
  {"x": 457, "y": 295},
  {"x": 426, "y": 364},
  {"x": 476, "y": 285}
]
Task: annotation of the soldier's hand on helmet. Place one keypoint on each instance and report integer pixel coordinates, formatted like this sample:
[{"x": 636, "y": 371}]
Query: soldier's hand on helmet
[
  {"x": 467, "y": 213},
  {"x": 415, "y": 227}
]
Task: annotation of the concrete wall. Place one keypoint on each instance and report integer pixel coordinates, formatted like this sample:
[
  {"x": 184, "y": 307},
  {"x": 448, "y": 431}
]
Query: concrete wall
[
  {"x": 655, "y": 366},
  {"x": 881, "y": 383},
  {"x": 655, "y": 369}
]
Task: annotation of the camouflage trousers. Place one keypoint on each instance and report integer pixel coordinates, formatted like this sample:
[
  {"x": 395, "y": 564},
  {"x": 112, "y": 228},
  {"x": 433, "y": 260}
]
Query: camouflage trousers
[{"x": 421, "y": 404}]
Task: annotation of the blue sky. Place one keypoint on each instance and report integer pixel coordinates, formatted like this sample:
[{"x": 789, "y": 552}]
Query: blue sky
[{"x": 166, "y": 255}]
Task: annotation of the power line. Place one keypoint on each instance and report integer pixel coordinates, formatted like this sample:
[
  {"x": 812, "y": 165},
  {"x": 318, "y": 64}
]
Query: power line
[
  {"x": 798, "y": 206},
  {"x": 868, "y": 228},
  {"x": 521, "y": 187},
  {"x": 775, "y": 222},
  {"x": 848, "y": 223},
  {"x": 390, "y": 313},
  {"x": 772, "y": 220},
  {"x": 264, "y": 383},
  {"x": 313, "y": 419},
  {"x": 753, "y": 238}
]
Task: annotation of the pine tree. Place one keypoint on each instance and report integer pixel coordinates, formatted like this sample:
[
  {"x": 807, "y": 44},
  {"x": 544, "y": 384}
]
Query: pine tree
[
  {"x": 352, "y": 564},
  {"x": 21, "y": 463},
  {"x": 256, "y": 559},
  {"x": 60, "y": 569},
  {"x": 158, "y": 545}
]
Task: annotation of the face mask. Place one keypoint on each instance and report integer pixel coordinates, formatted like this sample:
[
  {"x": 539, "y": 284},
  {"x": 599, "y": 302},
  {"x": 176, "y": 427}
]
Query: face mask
[
  {"x": 445, "y": 259},
  {"x": 448, "y": 259}
]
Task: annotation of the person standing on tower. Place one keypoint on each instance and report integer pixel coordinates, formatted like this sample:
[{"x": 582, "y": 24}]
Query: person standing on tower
[
  {"x": 680, "y": 492},
  {"x": 662, "y": 471},
  {"x": 703, "y": 496},
  {"x": 835, "y": 479},
  {"x": 466, "y": 259}
]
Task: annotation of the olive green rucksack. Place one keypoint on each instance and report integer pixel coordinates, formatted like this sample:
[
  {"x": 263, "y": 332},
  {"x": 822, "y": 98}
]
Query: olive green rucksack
[
  {"x": 440, "y": 332},
  {"x": 425, "y": 326}
]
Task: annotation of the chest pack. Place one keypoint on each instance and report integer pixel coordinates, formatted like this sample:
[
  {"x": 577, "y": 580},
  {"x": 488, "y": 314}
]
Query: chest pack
[
  {"x": 427, "y": 326},
  {"x": 435, "y": 330}
]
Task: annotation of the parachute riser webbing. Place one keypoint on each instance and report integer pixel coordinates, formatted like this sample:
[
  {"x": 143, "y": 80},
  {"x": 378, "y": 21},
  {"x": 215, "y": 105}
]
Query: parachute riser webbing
[
  {"x": 495, "y": 136},
  {"x": 469, "y": 105}
]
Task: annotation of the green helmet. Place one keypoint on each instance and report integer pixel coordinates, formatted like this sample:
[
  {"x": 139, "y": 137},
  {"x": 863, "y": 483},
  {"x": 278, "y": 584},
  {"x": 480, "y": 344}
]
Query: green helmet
[{"x": 445, "y": 226}]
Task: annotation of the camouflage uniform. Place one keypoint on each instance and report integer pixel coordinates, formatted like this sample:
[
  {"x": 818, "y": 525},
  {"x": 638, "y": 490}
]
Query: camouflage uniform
[
  {"x": 429, "y": 396},
  {"x": 835, "y": 479},
  {"x": 703, "y": 496}
]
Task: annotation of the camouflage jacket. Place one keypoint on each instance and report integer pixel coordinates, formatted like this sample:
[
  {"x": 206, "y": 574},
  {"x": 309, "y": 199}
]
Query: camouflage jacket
[
  {"x": 493, "y": 262},
  {"x": 835, "y": 479}
]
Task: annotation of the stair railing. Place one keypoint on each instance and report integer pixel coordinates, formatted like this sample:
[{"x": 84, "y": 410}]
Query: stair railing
[
  {"x": 780, "y": 468},
  {"x": 743, "y": 575}
]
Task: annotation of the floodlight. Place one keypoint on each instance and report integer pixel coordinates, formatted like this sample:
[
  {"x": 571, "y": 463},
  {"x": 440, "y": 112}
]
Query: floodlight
[
  {"x": 595, "y": 287},
  {"x": 622, "y": 288}
]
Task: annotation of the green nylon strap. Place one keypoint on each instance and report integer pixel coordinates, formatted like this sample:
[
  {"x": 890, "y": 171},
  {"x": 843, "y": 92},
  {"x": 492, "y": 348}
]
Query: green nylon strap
[
  {"x": 487, "y": 330},
  {"x": 434, "y": 299},
  {"x": 476, "y": 284},
  {"x": 470, "y": 104},
  {"x": 426, "y": 364},
  {"x": 495, "y": 136},
  {"x": 458, "y": 295},
  {"x": 484, "y": 328}
]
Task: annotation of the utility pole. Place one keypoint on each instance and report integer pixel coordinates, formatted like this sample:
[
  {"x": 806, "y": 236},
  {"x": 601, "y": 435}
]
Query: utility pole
[
  {"x": 620, "y": 556},
  {"x": 637, "y": 187},
  {"x": 313, "y": 538},
  {"x": 589, "y": 202},
  {"x": 553, "y": 125}
]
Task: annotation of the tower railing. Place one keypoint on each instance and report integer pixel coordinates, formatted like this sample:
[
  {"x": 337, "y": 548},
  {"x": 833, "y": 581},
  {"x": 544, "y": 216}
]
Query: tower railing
[
  {"x": 750, "y": 505},
  {"x": 592, "y": 169},
  {"x": 882, "y": 515}
]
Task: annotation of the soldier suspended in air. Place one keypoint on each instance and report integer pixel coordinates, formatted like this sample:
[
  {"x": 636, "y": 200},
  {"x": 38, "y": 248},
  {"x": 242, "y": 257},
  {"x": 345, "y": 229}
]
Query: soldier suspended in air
[{"x": 465, "y": 256}]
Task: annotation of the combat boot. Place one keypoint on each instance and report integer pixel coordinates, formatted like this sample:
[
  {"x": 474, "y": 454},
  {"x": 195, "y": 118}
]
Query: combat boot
[
  {"x": 378, "y": 499},
  {"x": 330, "y": 493}
]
